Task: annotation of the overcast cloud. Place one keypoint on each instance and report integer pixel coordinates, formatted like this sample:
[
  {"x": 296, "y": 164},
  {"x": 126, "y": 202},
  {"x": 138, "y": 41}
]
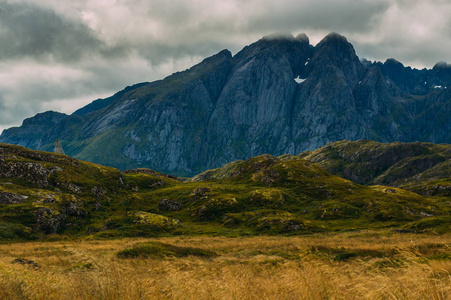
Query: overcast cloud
[{"x": 60, "y": 55}]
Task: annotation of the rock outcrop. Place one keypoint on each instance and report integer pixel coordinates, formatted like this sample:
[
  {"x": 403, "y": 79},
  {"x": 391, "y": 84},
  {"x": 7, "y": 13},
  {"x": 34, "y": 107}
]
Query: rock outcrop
[
  {"x": 30, "y": 171},
  {"x": 168, "y": 205},
  {"x": 49, "y": 220},
  {"x": 11, "y": 198}
]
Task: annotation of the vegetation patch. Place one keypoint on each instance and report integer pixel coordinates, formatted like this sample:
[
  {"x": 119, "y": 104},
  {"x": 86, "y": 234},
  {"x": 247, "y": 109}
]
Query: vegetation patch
[
  {"x": 12, "y": 231},
  {"x": 215, "y": 208},
  {"x": 142, "y": 217},
  {"x": 81, "y": 267},
  {"x": 161, "y": 250},
  {"x": 343, "y": 254},
  {"x": 270, "y": 221},
  {"x": 439, "y": 224},
  {"x": 333, "y": 210},
  {"x": 138, "y": 223},
  {"x": 267, "y": 197}
]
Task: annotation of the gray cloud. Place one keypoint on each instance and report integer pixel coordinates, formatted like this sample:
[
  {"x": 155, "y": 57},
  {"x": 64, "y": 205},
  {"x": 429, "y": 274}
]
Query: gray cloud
[
  {"x": 328, "y": 15},
  {"x": 28, "y": 30},
  {"x": 61, "y": 55}
]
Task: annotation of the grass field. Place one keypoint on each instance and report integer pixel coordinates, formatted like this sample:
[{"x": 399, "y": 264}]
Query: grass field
[{"x": 363, "y": 265}]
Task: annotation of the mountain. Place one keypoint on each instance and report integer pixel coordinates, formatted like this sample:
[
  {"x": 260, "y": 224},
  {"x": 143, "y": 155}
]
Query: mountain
[
  {"x": 45, "y": 193},
  {"x": 279, "y": 95}
]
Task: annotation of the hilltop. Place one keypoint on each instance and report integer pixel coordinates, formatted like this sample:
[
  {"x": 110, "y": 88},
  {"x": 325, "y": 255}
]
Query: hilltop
[{"x": 423, "y": 168}]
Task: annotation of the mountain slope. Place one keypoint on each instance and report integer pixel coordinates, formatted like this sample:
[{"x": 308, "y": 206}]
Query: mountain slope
[
  {"x": 420, "y": 167},
  {"x": 279, "y": 95}
]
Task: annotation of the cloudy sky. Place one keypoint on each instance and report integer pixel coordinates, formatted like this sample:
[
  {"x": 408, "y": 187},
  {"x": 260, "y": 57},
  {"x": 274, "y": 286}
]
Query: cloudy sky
[{"x": 62, "y": 54}]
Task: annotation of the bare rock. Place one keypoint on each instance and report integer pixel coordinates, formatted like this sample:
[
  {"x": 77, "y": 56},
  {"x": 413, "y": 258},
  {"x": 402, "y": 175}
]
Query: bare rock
[
  {"x": 157, "y": 184},
  {"x": 30, "y": 171},
  {"x": 10, "y": 198},
  {"x": 75, "y": 209},
  {"x": 169, "y": 205},
  {"x": 270, "y": 176},
  {"x": 201, "y": 192},
  {"x": 74, "y": 188},
  {"x": 98, "y": 191}
]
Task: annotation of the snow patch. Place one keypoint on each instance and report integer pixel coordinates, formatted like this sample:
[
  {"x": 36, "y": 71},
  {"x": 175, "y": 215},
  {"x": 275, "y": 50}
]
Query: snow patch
[{"x": 299, "y": 79}]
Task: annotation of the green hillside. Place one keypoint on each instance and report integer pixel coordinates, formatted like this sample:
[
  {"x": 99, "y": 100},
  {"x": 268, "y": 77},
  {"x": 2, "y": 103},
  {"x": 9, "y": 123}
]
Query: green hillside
[
  {"x": 51, "y": 195},
  {"x": 424, "y": 168}
]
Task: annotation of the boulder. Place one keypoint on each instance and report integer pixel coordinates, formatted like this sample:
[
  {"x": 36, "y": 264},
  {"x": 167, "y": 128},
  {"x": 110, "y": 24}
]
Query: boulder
[{"x": 169, "y": 205}]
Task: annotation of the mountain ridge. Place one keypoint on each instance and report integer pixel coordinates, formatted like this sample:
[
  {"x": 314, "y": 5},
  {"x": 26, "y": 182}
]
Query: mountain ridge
[{"x": 235, "y": 107}]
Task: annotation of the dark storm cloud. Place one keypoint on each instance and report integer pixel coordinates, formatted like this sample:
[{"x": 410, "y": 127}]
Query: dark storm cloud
[{"x": 28, "y": 30}]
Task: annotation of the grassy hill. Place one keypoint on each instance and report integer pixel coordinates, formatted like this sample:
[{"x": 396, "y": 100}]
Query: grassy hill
[
  {"x": 424, "y": 168},
  {"x": 47, "y": 194}
]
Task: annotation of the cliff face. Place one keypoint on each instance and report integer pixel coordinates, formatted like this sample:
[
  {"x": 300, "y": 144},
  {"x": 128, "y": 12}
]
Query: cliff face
[{"x": 279, "y": 95}]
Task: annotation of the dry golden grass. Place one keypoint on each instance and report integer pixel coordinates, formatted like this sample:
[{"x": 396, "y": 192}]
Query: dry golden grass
[{"x": 379, "y": 267}]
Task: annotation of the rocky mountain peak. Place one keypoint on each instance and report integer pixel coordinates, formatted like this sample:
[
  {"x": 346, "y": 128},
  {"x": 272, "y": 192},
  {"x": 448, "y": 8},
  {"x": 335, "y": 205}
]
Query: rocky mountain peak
[
  {"x": 50, "y": 116},
  {"x": 393, "y": 63},
  {"x": 335, "y": 50},
  {"x": 334, "y": 37},
  {"x": 275, "y": 45},
  {"x": 303, "y": 37},
  {"x": 441, "y": 74},
  {"x": 441, "y": 65}
]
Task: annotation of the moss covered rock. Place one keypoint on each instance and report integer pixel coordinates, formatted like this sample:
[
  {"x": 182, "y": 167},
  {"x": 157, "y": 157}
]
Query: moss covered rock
[
  {"x": 215, "y": 208},
  {"x": 141, "y": 217},
  {"x": 49, "y": 220}
]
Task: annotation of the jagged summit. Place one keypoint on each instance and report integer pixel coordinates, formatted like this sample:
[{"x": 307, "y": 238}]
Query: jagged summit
[
  {"x": 334, "y": 37},
  {"x": 303, "y": 37},
  {"x": 442, "y": 65},
  {"x": 278, "y": 95}
]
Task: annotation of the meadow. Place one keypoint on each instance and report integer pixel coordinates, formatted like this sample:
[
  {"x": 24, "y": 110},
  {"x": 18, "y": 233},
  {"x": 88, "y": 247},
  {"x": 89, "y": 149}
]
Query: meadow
[{"x": 351, "y": 265}]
